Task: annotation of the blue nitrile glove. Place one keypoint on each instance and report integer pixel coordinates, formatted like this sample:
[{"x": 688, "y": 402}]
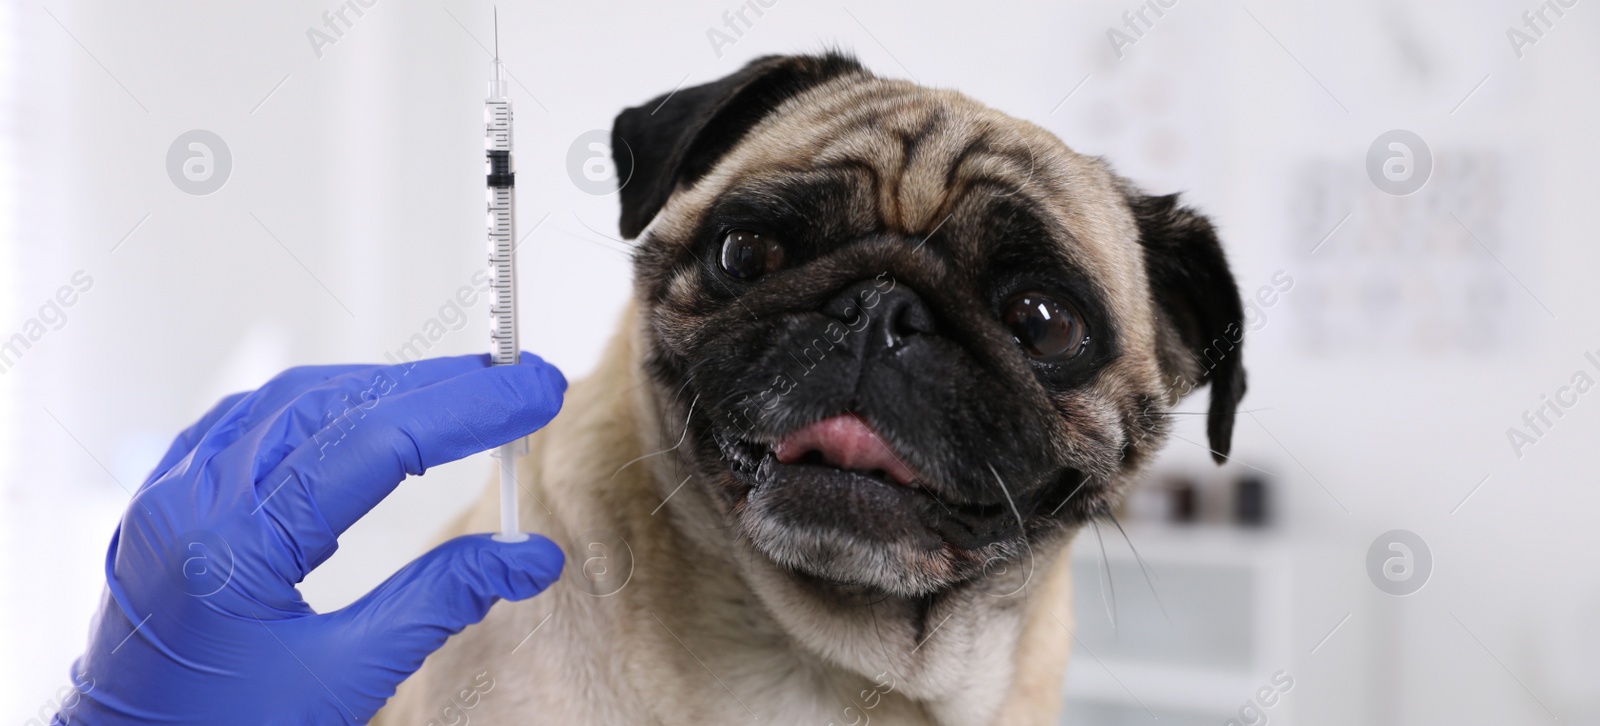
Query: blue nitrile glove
[{"x": 201, "y": 622}]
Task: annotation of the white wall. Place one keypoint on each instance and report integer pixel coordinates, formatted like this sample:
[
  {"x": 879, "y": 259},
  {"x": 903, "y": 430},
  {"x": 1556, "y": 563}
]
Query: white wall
[{"x": 1390, "y": 375}]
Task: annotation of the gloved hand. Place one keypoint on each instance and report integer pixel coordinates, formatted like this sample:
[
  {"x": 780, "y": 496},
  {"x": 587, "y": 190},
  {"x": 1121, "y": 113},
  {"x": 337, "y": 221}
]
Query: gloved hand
[{"x": 201, "y": 622}]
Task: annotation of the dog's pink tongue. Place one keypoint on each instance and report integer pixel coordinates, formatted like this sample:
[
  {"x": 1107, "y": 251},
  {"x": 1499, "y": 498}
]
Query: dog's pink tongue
[{"x": 846, "y": 442}]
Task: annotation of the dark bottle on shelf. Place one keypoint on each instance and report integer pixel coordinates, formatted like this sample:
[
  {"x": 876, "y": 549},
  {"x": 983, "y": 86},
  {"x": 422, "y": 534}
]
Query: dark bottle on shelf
[{"x": 1251, "y": 503}]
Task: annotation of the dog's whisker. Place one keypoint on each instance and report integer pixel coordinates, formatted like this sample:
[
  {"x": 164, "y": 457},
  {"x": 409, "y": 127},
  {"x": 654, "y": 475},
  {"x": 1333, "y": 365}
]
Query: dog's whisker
[
  {"x": 601, "y": 245},
  {"x": 1022, "y": 529},
  {"x": 718, "y": 403},
  {"x": 677, "y": 464},
  {"x": 598, "y": 232},
  {"x": 1225, "y": 457},
  {"x": 1149, "y": 577},
  {"x": 662, "y": 422},
  {"x": 1110, "y": 585},
  {"x": 674, "y": 447},
  {"x": 1199, "y": 413},
  {"x": 678, "y": 394},
  {"x": 877, "y": 627}
]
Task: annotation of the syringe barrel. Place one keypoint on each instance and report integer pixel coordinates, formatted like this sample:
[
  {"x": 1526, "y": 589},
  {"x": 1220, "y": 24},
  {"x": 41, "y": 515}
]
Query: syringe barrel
[
  {"x": 502, "y": 277},
  {"x": 501, "y": 181}
]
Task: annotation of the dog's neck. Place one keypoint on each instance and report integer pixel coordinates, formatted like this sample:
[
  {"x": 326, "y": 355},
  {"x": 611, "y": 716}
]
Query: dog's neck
[{"x": 962, "y": 657}]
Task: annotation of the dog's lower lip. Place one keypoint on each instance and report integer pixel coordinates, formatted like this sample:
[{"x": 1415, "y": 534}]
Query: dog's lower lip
[
  {"x": 878, "y": 475},
  {"x": 844, "y": 442},
  {"x": 813, "y": 495}
]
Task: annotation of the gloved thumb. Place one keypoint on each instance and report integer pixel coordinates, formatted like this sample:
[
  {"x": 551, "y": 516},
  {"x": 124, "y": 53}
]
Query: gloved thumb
[{"x": 397, "y": 625}]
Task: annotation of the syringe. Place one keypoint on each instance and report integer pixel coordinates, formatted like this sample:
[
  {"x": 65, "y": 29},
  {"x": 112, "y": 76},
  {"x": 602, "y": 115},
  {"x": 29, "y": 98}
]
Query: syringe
[{"x": 503, "y": 272}]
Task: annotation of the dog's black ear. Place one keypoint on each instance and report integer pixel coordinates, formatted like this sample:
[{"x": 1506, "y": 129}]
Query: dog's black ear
[
  {"x": 1197, "y": 297},
  {"x": 676, "y": 138}
]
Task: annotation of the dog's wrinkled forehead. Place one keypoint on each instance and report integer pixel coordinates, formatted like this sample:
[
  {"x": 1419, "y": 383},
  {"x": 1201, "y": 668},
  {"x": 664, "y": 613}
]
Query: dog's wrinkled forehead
[{"x": 917, "y": 159}]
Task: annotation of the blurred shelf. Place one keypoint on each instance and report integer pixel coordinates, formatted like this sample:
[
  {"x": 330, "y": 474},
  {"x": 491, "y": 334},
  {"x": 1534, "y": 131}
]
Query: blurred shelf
[
  {"x": 1159, "y": 687},
  {"x": 1189, "y": 543},
  {"x": 1196, "y": 628}
]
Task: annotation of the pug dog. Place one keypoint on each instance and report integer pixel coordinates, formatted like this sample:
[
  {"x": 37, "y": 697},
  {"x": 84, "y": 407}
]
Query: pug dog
[{"x": 888, "y": 350}]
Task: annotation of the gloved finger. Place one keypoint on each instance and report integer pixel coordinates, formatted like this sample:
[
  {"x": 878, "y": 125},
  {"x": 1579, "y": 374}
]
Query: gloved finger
[
  {"x": 400, "y": 622},
  {"x": 263, "y": 403},
  {"x": 185, "y": 442},
  {"x": 254, "y": 443},
  {"x": 336, "y": 477}
]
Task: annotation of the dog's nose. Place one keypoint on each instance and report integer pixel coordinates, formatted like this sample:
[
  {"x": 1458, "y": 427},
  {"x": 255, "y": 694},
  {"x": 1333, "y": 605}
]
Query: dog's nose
[{"x": 890, "y": 312}]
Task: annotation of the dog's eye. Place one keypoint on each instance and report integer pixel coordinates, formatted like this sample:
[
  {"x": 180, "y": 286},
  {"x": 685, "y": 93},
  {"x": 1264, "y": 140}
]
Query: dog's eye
[
  {"x": 747, "y": 255},
  {"x": 1048, "y": 329}
]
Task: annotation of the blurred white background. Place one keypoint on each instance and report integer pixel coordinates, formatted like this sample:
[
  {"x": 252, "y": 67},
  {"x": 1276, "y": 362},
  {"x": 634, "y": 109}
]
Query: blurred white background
[{"x": 1383, "y": 384}]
